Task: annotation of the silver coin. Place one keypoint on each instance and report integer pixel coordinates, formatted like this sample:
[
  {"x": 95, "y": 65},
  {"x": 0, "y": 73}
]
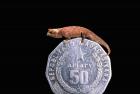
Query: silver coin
[{"x": 78, "y": 68}]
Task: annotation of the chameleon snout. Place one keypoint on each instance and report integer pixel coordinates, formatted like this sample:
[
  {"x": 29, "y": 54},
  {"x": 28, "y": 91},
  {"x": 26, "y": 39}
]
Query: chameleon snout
[{"x": 48, "y": 34}]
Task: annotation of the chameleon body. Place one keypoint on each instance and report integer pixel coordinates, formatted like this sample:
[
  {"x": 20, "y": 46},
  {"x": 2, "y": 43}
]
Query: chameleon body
[{"x": 69, "y": 32}]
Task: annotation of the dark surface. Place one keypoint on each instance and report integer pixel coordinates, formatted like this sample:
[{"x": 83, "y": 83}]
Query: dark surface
[{"x": 24, "y": 47}]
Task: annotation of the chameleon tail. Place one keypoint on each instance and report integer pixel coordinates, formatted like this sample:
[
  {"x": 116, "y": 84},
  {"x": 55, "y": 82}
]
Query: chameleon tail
[{"x": 94, "y": 37}]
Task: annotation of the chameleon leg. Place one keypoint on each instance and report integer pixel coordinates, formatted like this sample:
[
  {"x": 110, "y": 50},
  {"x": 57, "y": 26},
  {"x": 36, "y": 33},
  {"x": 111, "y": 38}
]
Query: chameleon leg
[
  {"x": 66, "y": 40},
  {"x": 83, "y": 37}
]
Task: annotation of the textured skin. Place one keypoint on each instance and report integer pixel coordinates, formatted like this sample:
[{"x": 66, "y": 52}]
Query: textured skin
[{"x": 77, "y": 31}]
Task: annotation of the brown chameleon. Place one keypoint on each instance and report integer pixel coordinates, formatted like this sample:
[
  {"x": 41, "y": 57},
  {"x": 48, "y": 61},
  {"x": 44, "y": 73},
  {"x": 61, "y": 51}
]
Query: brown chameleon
[{"x": 69, "y": 32}]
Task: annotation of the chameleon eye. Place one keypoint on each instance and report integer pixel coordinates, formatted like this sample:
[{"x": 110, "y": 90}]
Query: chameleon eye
[{"x": 51, "y": 32}]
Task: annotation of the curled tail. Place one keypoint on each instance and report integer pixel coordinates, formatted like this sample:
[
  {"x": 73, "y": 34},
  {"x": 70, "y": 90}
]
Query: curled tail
[{"x": 92, "y": 36}]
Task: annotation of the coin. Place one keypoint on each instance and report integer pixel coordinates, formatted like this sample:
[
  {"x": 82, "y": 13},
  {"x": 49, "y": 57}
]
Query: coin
[{"x": 78, "y": 68}]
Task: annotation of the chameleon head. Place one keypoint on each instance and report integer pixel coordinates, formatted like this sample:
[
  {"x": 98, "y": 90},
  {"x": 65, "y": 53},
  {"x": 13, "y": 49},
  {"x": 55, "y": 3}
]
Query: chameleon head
[{"x": 53, "y": 33}]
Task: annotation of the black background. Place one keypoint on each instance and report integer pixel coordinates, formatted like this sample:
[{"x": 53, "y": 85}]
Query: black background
[{"x": 24, "y": 46}]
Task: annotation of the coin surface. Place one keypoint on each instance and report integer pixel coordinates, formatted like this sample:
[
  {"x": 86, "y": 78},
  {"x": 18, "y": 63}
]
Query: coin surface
[{"x": 78, "y": 68}]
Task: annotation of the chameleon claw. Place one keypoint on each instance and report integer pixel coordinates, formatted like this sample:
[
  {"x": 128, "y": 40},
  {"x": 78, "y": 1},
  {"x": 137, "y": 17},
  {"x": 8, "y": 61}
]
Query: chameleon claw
[{"x": 66, "y": 40}]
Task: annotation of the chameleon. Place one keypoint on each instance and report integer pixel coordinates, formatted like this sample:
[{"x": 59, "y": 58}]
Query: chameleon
[{"x": 69, "y": 32}]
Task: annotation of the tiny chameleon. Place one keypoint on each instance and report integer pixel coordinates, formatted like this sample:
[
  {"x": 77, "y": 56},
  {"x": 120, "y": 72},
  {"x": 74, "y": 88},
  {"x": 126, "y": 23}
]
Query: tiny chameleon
[{"x": 69, "y": 32}]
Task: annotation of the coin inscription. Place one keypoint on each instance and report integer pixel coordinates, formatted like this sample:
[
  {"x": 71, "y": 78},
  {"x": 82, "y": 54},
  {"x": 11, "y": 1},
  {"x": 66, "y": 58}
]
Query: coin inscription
[{"x": 78, "y": 68}]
